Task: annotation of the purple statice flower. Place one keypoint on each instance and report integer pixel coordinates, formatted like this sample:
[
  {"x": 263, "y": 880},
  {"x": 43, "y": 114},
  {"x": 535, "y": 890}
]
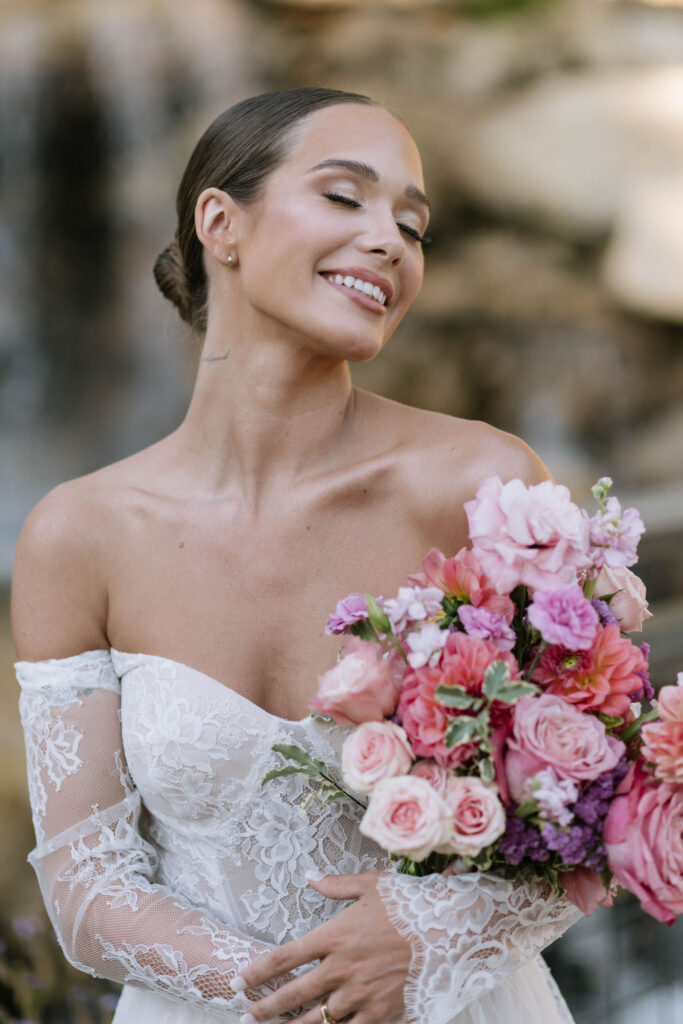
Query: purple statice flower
[
  {"x": 349, "y": 610},
  {"x": 614, "y": 535},
  {"x": 564, "y": 616},
  {"x": 646, "y": 691},
  {"x": 607, "y": 616},
  {"x": 572, "y": 845},
  {"x": 487, "y": 625},
  {"x": 412, "y": 604},
  {"x": 521, "y": 840}
]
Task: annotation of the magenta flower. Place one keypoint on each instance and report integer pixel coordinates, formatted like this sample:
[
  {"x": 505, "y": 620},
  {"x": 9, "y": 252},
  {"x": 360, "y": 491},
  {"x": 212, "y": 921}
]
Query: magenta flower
[
  {"x": 531, "y": 535},
  {"x": 564, "y": 617},
  {"x": 349, "y": 610},
  {"x": 487, "y": 625},
  {"x": 614, "y": 535}
]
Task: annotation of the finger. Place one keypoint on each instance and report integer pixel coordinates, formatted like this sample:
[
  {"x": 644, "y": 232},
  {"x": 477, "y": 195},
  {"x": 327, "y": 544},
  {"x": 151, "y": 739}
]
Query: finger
[
  {"x": 344, "y": 887},
  {"x": 287, "y": 998},
  {"x": 281, "y": 960}
]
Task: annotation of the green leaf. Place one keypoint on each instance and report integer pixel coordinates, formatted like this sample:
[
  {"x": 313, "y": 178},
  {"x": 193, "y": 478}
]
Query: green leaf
[
  {"x": 302, "y": 757},
  {"x": 487, "y": 769},
  {"x": 610, "y": 721},
  {"x": 365, "y": 630},
  {"x": 526, "y": 808},
  {"x": 278, "y": 773},
  {"x": 377, "y": 615},
  {"x": 454, "y": 697},
  {"x": 322, "y": 715},
  {"x": 496, "y": 678},
  {"x": 460, "y": 730},
  {"x": 511, "y": 694}
]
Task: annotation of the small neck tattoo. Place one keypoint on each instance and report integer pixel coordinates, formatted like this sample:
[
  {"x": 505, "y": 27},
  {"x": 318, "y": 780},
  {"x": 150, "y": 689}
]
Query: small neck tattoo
[{"x": 215, "y": 359}]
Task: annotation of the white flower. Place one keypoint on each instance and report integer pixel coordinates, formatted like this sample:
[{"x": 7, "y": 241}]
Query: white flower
[
  {"x": 412, "y": 604},
  {"x": 553, "y": 795},
  {"x": 425, "y": 644}
]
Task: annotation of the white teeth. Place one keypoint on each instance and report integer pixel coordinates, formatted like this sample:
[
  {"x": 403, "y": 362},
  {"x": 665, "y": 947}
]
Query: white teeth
[{"x": 371, "y": 290}]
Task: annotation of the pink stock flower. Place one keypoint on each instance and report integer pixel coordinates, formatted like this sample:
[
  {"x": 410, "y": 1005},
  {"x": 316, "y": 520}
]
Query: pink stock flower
[
  {"x": 487, "y": 625},
  {"x": 436, "y": 776},
  {"x": 586, "y": 889},
  {"x": 565, "y": 617},
  {"x": 663, "y": 740},
  {"x": 406, "y": 816},
  {"x": 614, "y": 535},
  {"x": 600, "y": 678},
  {"x": 629, "y": 604},
  {"x": 478, "y": 816},
  {"x": 531, "y": 535},
  {"x": 362, "y": 687},
  {"x": 374, "y": 751},
  {"x": 349, "y": 610},
  {"x": 549, "y": 733},
  {"x": 644, "y": 839},
  {"x": 461, "y": 576}
]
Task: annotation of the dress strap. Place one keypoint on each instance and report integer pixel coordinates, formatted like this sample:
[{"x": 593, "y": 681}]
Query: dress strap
[{"x": 89, "y": 669}]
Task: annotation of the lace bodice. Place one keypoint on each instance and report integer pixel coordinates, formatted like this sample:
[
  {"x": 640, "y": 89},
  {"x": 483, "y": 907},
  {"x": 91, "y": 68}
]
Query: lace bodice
[{"x": 163, "y": 864}]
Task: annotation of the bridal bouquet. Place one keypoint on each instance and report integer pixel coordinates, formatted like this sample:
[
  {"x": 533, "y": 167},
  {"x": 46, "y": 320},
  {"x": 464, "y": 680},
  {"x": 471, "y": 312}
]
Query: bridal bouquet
[{"x": 502, "y": 717}]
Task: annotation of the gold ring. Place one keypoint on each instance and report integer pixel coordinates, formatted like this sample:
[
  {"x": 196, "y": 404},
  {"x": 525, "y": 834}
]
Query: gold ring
[{"x": 326, "y": 1017}]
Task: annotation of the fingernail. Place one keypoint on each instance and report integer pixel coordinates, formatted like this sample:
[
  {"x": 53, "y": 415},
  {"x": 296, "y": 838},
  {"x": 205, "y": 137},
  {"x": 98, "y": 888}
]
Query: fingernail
[
  {"x": 313, "y": 875},
  {"x": 247, "y": 1018},
  {"x": 238, "y": 984}
]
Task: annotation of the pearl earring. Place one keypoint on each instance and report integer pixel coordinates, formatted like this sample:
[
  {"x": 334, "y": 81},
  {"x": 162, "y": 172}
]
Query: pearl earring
[{"x": 230, "y": 260}]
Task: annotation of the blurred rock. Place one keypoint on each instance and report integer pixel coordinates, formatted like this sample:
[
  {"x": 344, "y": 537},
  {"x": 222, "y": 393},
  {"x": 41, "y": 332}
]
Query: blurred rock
[{"x": 643, "y": 265}]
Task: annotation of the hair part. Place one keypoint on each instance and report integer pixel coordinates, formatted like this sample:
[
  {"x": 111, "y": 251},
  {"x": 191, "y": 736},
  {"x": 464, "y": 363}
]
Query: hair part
[{"x": 236, "y": 153}]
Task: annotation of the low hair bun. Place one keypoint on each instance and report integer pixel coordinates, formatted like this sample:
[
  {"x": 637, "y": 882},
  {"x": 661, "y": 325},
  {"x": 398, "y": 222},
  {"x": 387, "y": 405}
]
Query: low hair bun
[{"x": 171, "y": 279}]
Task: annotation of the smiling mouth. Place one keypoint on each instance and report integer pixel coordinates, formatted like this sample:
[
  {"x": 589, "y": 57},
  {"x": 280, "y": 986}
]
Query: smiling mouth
[{"x": 359, "y": 288}]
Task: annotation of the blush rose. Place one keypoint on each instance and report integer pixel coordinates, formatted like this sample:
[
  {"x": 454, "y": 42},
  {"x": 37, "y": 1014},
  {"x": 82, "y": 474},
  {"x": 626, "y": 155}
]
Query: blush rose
[
  {"x": 374, "y": 751},
  {"x": 362, "y": 687},
  {"x": 629, "y": 603},
  {"x": 478, "y": 816},
  {"x": 407, "y": 817}
]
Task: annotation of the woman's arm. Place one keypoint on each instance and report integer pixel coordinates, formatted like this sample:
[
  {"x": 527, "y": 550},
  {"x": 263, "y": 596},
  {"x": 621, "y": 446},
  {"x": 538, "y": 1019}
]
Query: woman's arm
[{"x": 95, "y": 870}]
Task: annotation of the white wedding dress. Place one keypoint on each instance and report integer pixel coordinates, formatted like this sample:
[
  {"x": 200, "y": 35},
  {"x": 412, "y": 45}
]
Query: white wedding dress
[{"x": 165, "y": 866}]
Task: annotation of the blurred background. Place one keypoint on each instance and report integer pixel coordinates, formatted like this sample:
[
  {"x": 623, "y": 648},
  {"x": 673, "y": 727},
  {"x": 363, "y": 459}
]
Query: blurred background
[{"x": 552, "y": 139}]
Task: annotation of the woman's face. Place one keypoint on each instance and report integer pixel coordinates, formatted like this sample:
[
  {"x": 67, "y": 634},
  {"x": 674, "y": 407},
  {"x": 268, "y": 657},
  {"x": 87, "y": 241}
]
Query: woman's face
[{"x": 331, "y": 250}]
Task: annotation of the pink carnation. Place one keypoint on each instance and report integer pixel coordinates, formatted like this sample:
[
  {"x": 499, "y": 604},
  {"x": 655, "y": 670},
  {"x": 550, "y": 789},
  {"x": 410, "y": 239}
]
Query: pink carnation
[
  {"x": 565, "y": 617},
  {"x": 362, "y": 687},
  {"x": 644, "y": 839},
  {"x": 349, "y": 610},
  {"x": 487, "y": 625},
  {"x": 600, "y": 678},
  {"x": 663, "y": 740},
  {"x": 531, "y": 535}
]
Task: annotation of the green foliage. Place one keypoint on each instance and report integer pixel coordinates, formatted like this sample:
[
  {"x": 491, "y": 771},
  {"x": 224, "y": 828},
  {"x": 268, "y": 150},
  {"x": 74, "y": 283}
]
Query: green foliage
[{"x": 499, "y": 8}]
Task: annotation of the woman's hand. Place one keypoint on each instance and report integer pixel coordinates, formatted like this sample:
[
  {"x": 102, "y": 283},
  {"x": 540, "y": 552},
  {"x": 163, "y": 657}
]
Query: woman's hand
[{"x": 363, "y": 961}]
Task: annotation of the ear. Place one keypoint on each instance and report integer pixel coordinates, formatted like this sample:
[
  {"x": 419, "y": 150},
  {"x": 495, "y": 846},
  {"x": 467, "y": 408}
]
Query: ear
[{"x": 214, "y": 223}]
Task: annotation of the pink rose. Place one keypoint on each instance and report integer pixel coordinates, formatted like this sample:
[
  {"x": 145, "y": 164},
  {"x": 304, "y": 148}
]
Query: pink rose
[
  {"x": 436, "y": 776},
  {"x": 478, "y": 816},
  {"x": 407, "y": 817},
  {"x": 663, "y": 740},
  {"x": 362, "y": 687},
  {"x": 629, "y": 603},
  {"x": 644, "y": 839},
  {"x": 425, "y": 719},
  {"x": 374, "y": 751},
  {"x": 532, "y": 535},
  {"x": 586, "y": 889},
  {"x": 549, "y": 732}
]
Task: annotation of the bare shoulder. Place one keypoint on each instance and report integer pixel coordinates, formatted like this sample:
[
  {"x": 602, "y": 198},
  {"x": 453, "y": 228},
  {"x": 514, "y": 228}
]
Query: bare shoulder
[{"x": 59, "y": 579}]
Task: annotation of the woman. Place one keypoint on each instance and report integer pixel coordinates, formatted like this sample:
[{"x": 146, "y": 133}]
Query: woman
[{"x": 301, "y": 222}]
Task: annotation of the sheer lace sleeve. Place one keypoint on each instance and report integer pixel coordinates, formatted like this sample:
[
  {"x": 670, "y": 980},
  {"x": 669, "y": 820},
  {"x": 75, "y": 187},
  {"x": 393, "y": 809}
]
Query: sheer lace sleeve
[
  {"x": 468, "y": 932},
  {"x": 95, "y": 870}
]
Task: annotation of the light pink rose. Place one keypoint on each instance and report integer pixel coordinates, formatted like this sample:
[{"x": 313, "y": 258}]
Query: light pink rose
[
  {"x": 663, "y": 741},
  {"x": 629, "y": 603},
  {"x": 549, "y": 732},
  {"x": 531, "y": 535},
  {"x": 407, "y": 817},
  {"x": 434, "y": 773},
  {"x": 363, "y": 687},
  {"x": 644, "y": 839},
  {"x": 478, "y": 816},
  {"x": 374, "y": 751},
  {"x": 586, "y": 889}
]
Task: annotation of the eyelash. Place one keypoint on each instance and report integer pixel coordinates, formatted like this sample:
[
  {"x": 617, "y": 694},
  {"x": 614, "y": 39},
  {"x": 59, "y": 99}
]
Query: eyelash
[{"x": 411, "y": 232}]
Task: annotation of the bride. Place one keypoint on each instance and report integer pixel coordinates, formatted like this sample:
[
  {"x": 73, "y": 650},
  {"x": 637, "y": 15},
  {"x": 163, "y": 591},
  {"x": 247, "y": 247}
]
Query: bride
[{"x": 169, "y": 612}]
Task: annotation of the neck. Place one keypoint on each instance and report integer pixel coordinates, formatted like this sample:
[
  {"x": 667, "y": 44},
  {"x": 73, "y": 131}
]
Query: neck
[{"x": 263, "y": 415}]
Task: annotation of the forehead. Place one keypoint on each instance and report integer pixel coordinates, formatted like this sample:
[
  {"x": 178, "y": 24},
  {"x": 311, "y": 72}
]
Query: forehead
[{"x": 358, "y": 132}]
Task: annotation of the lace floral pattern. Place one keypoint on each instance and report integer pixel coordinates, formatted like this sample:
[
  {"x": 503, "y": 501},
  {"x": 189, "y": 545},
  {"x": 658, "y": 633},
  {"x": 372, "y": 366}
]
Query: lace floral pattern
[{"x": 166, "y": 867}]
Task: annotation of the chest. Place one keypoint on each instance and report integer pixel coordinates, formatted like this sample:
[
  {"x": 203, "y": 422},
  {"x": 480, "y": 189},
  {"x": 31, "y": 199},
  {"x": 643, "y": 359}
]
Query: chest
[{"x": 246, "y": 602}]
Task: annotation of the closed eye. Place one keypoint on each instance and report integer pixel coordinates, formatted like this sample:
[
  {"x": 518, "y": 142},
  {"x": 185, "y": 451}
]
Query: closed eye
[{"x": 411, "y": 232}]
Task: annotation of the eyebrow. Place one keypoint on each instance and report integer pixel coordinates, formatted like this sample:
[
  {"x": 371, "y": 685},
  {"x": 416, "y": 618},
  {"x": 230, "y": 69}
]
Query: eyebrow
[{"x": 370, "y": 174}]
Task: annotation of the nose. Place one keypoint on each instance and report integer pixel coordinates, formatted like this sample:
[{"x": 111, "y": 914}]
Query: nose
[{"x": 383, "y": 237}]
